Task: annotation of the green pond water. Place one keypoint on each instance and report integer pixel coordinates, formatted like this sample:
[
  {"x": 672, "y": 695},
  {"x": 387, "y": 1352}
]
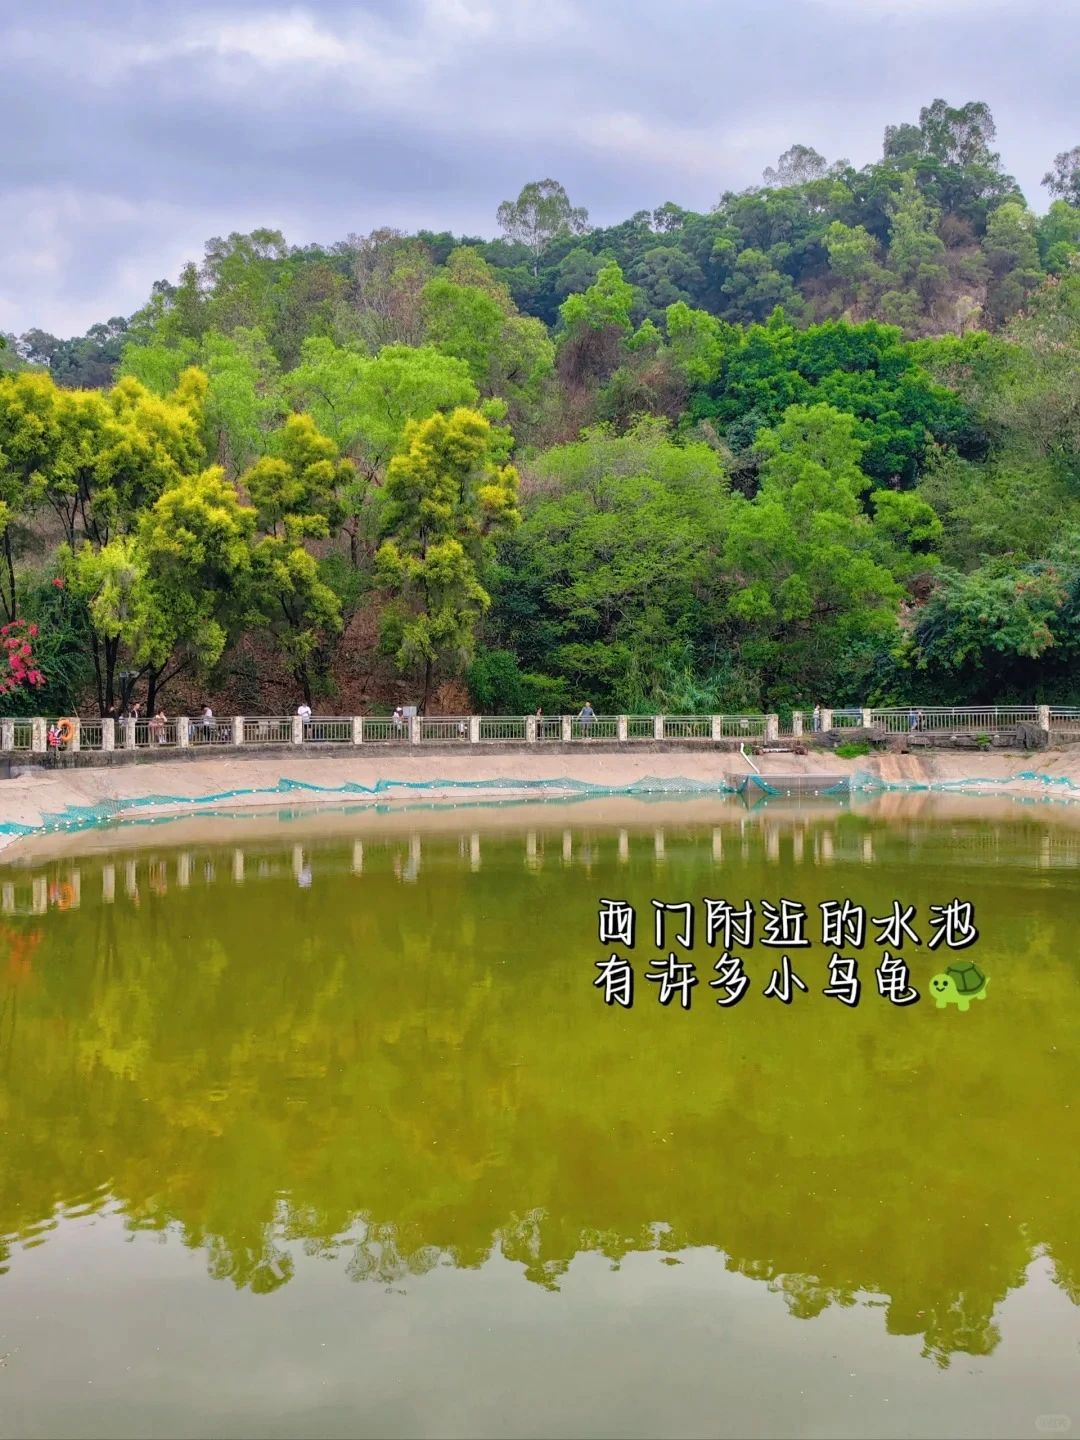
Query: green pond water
[{"x": 333, "y": 1134}]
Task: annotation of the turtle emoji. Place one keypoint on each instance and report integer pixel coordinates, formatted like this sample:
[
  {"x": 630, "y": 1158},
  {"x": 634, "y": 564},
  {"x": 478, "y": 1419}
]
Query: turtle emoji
[{"x": 959, "y": 985}]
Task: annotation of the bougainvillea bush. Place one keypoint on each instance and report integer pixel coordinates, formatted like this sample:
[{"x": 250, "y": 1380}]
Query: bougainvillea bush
[{"x": 20, "y": 674}]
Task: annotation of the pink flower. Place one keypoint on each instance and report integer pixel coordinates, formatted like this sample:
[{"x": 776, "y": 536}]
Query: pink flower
[{"x": 58, "y": 581}]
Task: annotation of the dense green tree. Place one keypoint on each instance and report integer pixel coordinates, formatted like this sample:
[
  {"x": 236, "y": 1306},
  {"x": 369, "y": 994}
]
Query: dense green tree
[
  {"x": 469, "y": 314},
  {"x": 1012, "y": 254},
  {"x": 611, "y": 580},
  {"x": 816, "y": 568},
  {"x": 867, "y": 370}
]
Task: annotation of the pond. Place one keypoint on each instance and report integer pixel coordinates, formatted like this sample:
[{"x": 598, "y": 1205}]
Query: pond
[{"x": 329, "y": 1131}]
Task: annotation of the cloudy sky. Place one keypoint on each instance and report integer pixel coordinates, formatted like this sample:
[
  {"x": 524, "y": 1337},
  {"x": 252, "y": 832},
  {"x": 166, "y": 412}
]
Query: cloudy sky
[{"x": 135, "y": 130}]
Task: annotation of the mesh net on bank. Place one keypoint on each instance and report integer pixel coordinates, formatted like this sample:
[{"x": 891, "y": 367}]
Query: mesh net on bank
[{"x": 507, "y": 790}]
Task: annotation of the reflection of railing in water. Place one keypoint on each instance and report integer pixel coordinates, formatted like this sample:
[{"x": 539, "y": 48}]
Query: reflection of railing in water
[{"x": 810, "y": 836}]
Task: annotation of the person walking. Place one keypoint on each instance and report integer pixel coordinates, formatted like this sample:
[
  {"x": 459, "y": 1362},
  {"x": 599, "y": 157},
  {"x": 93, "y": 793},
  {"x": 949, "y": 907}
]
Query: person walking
[
  {"x": 914, "y": 720},
  {"x": 303, "y": 710},
  {"x": 815, "y": 720},
  {"x": 587, "y": 716}
]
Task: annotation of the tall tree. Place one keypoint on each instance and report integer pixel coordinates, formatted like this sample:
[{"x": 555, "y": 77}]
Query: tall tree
[
  {"x": 363, "y": 403},
  {"x": 797, "y": 166},
  {"x": 446, "y": 502},
  {"x": 540, "y": 214},
  {"x": 296, "y": 490},
  {"x": 29, "y": 440},
  {"x": 1064, "y": 179}
]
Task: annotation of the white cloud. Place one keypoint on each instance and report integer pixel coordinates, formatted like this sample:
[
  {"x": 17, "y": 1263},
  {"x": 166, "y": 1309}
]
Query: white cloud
[{"x": 292, "y": 38}]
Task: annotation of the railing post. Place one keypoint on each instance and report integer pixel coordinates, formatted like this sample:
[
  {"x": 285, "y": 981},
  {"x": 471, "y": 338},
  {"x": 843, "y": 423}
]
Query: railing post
[
  {"x": 716, "y": 727},
  {"x": 772, "y": 727},
  {"x": 183, "y": 734},
  {"x": 7, "y": 735},
  {"x": 796, "y": 724},
  {"x": 1044, "y": 717},
  {"x": 297, "y": 730},
  {"x": 530, "y": 729},
  {"x": 108, "y": 733},
  {"x": 474, "y": 729},
  {"x": 129, "y": 733},
  {"x": 867, "y": 718},
  {"x": 37, "y": 734},
  {"x": 658, "y": 727},
  {"x": 826, "y": 719},
  {"x": 238, "y": 730},
  {"x": 622, "y": 729},
  {"x": 414, "y": 729},
  {"x": 566, "y": 728},
  {"x": 75, "y": 743},
  {"x": 357, "y": 729}
]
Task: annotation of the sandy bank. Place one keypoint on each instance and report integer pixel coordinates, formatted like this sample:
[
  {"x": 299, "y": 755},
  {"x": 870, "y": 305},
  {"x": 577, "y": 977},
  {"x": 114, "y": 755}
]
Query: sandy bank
[{"x": 35, "y": 799}]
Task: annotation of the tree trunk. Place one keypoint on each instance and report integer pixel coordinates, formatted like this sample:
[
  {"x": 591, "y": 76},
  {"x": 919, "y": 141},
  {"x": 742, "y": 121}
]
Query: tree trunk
[
  {"x": 303, "y": 679},
  {"x": 428, "y": 667},
  {"x": 9, "y": 596},
  {"x": 112, "y": 650}
]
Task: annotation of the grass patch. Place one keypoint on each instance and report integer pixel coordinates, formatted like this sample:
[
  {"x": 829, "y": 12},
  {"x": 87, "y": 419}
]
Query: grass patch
[{"x": 852, "y": 749}]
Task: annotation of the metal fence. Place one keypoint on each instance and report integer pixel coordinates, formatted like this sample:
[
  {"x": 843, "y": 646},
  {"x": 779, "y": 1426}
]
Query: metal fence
[
  {"x": 17, "y": 735},
  {"x": 328, "y": 730},
  {"x": 379, "y": 730},
  {"x": 502, "y": 727},
  {"x": 942, "y": 720},
  {"x": 22, "y": 734},
  {"x": 268, "y": 730},
  {"x": 451, "y": 729},
  {"x": 847, "y": 719},
  {"x": 148, "y": 732}
]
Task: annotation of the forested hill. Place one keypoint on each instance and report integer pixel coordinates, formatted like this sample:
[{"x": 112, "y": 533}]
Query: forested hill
[
  {"x": 935, "y": 237},
  {"x": 822, "y": 442}
]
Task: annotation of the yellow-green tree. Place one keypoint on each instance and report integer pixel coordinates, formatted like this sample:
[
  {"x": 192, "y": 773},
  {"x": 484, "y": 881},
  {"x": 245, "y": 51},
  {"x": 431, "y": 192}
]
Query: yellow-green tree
[
  {"x": 29, "y": 430},
  {"x": 446, "y": 502},
  {"x": 160, "y": 600},
  {"x": 117, "y": 451},
  {"x": 296, "y": 492}
]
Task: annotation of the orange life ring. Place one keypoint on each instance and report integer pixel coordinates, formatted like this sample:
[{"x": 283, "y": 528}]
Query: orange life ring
[
  {"x": 65, "y": 898},
  {"x": 66, "y": 731}
]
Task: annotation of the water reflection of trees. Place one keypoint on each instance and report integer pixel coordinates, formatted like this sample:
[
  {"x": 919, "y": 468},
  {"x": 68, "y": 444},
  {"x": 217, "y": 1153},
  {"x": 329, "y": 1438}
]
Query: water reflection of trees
[{"x": 398, "y": 1086}]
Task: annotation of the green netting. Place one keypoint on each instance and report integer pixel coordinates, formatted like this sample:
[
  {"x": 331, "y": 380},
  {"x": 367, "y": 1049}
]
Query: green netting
[
  {"x": 87, "y": 817},
  {"x": 867, "y": 783}
]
